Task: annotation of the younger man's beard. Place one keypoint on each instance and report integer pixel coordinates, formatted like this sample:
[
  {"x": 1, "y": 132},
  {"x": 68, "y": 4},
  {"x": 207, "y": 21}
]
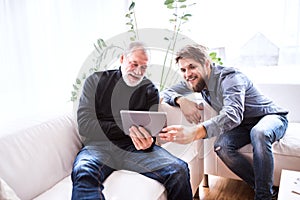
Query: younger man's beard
[{"x": 199, "y": 87}]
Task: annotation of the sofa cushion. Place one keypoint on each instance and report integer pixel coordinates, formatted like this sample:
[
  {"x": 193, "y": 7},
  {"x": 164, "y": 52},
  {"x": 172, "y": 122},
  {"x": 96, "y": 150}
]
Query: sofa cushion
[
  {"x": 60, "y": 191},
  {"x": 38, "y": 157},
  {"x": 118, "y": 186},
  {"x": 122, "y": 184},
  {"x": 289, "y": 145},
  {"x": 6, "y": 193}
]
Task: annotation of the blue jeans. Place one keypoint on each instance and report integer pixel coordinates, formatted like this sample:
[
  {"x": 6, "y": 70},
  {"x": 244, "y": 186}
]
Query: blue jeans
[
  {"x": 94, "y": 164},
  {"x": 261, "y": 133}
]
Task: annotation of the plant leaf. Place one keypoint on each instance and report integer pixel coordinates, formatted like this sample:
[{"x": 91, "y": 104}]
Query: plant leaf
[
  {"x": 167, "y": 2},
  {"x": 73, "y": 98},
  {"x": 184, "y": 18},
  {"x": 101, "y": 43},
  {"x": 187, "y": 15},
  {"x": 192, "y": 4},
  {"x": 78, "y": 81},
  {"x": 170, "y": 6},
  {"x": 99, "y": 51},
  {"x": 74, "y": 93},
  {"x": 213, "y": 54},
  {"x": 131, "y": 5},
  {"x": 75, "y": 87}
]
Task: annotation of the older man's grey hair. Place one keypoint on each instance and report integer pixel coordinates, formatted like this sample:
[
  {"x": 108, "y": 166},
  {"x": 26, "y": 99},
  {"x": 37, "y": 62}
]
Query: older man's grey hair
[{"x": 134, "y": 46}]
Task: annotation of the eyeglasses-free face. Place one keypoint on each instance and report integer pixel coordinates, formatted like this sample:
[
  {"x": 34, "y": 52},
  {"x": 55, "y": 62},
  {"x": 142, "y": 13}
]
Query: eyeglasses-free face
[{"x": 134, "y": 67}]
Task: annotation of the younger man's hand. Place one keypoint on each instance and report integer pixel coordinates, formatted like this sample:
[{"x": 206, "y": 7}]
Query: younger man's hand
[
  {"x": 182, "y": 134},
  {"x": 190, "y": 109}
]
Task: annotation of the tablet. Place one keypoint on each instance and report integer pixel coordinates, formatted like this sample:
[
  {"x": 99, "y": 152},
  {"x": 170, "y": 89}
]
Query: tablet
[{"x": 152, "y": 121}]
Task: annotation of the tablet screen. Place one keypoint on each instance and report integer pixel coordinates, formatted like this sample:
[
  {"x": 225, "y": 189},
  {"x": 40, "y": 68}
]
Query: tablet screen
[{"x": 152, "y": 121}]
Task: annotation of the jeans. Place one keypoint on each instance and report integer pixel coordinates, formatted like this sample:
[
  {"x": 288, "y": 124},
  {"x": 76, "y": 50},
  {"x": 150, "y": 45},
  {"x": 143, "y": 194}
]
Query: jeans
[
  {"x": 94, "y": 164},
  {"x": 261, "y": 133}
]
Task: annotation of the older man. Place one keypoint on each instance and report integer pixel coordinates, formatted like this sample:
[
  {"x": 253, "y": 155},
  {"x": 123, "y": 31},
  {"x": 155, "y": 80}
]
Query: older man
[{"x": 106, "y": 147}]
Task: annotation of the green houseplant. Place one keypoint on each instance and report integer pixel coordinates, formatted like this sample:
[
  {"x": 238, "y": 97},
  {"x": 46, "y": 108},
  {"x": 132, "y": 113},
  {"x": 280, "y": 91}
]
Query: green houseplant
[{"x": 106, "y": 53}]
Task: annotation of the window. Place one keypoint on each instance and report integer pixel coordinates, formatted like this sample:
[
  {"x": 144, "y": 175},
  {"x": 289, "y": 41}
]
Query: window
[{"x": 259, "y": 37}]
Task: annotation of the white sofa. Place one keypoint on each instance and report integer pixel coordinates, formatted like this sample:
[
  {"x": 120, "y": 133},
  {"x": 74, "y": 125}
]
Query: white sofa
[
  {"x": 36, "y": 161},
  {"x": 37, "y": 156},
  {"x": 286, "y": 151}
]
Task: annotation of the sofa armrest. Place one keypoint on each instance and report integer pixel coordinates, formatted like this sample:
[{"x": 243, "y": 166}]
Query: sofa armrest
[
  {"x": 191, "y": 153},
  {"x": 39, "y": 156}
]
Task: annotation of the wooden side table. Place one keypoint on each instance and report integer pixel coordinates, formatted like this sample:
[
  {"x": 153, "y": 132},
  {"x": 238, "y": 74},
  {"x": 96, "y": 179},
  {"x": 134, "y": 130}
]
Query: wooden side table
[{"x": 289, "y": 187}]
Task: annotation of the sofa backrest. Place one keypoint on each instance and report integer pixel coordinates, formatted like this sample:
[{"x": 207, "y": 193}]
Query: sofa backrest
[
  {"x": 33, "y": 159},
  {"x": 286, "y": 96}
]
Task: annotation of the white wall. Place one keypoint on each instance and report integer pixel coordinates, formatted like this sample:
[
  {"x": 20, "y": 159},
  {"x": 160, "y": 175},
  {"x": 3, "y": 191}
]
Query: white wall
[
  {"x": 44, "y": 43},
  {"x": 231, "y": 23}
]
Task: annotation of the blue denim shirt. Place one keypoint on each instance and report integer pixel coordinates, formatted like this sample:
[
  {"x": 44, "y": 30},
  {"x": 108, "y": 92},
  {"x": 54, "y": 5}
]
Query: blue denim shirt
[{"x": 232, "y": 95}]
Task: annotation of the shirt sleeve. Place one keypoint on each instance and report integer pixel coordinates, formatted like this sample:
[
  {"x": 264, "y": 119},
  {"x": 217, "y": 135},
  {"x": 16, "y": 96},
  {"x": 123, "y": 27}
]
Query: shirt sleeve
[
  {"x": 88, "y": 124},
  {"x": 152, "y": 97},
  {"x": 232, "y": 95},
  {"x": 181, "y": 89}
]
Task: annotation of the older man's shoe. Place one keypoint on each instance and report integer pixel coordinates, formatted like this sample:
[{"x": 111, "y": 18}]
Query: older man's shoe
[{"x": 275, "y": 192}]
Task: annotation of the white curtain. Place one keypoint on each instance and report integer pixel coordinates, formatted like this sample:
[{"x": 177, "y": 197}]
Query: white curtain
[{"x": 43, "y": 45}]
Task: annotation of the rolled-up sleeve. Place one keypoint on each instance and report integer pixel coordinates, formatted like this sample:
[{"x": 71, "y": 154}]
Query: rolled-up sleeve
[{"x": 181, "y": 89}]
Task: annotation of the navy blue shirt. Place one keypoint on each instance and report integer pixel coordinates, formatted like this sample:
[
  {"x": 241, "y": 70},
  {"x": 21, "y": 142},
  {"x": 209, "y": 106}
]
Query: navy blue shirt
[
  {"x": 104, "y": 95},
  {"x": 232, "y": 95}
]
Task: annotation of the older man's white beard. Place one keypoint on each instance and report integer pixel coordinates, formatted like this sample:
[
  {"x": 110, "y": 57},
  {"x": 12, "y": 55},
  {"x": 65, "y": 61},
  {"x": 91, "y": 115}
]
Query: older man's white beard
[{"x": 132, "y": 83}]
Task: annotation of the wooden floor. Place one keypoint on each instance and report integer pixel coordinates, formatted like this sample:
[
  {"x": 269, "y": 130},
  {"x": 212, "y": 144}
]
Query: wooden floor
[{"x": 225, "y": 189}]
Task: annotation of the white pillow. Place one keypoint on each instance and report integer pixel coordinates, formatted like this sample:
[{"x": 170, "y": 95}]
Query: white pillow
[{"x": 6, "y": 193}]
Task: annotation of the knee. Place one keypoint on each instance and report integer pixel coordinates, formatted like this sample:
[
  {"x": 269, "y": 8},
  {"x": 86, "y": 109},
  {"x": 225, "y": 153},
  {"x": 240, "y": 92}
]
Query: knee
[
  {"x": 221, "y": 147},
  {"x": 82, "y": 170},
  {"x": 261, "y": 140},
  {"x": 185, "y": 168},
  {"x": 260, "y": 135},
  {"x": 181, "y": 168},
  {"x": 220, "y": 151},
  {"x": 77, "y": 171}
]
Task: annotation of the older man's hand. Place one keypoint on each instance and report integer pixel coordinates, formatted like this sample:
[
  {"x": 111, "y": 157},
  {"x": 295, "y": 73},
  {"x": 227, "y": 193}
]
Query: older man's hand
[{"x": 140, "y": 137}]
